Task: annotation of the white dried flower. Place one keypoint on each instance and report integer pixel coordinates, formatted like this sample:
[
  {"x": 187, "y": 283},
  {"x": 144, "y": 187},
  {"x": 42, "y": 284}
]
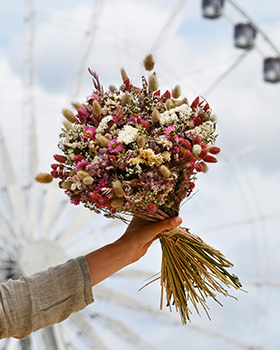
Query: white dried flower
[
  {"x": 174, "y": 115},
  {"x": 103, "y": 125},
  {"x": 203, "y": 130},
  {"x": 128, "y": 134}
]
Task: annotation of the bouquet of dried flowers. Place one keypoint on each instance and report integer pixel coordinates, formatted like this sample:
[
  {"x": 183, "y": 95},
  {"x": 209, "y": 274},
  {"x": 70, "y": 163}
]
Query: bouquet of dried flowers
[{"x": 138, "y": 151}]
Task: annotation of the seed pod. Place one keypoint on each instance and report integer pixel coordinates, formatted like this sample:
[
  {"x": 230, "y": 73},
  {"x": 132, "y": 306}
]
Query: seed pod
[
  {"x": 88, "y": 180},
  {"x": 112, "y": 88},
  {"x": 149, "y": 62},
  {"x": 196, "y": 150},
  {"x": 164, "y": 171},
  {"x": 123, "y": 74},
  {"x": 155, "y": 115},
  {"x": 126, "y": 99},
  {"x": 183, "y": 101},
  {"x": 117, "y": 187},
  {"x": 141, "y": 140},
  {"x": 96, "y": 108},
  {"x": 44, "y": 178},
  {"x": 166, "y": 156},
  {"x": 82, "y": 174},
  {"x": 117, "y": 203},
  {"x": 168, "y": 103},
  {"x": 176, "y": 92},
  {"x": 103, "y": 141},
  {"x": 67, "y": 125},
  {"x": 69, "y": 115},
  {"x": 205, "y": 167},
  {"x": 153, "y": 83},
  {"x": 77, "y": 105},
  {"x": 66, "y": 185}
]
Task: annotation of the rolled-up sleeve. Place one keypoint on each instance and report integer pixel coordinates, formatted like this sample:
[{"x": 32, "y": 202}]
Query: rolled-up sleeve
[{"x": 44, "y": 298}]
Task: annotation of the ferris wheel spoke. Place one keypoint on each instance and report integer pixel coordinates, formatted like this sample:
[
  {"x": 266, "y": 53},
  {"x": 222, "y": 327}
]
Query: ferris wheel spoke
[
  {"x": 77, "y": 240},
  {"x": 86, "y": 329},
  {"x": 13, "y": 191},
  {"x": 125, "y": 332}
]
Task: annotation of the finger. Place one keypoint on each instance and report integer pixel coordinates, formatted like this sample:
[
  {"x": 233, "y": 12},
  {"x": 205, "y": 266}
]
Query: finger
[{"x": 157, "y": 227}]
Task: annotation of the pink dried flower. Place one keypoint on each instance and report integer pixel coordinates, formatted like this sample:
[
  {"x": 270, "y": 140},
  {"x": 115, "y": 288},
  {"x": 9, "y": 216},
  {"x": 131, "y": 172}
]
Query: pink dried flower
[
  {"x": 93, "y": 96},
  {"x": 210, "y": 159},
  {"x": 78, "y": 157},
  {"x": 170, "y": 132},
  {"x": 90, "y": 133},
  {"x": 152, "y": 208},
  {"x": 74, "y": 201},
  {"x": 116, "y": 119},
  {"x": 195, "y": 103},
  {"x": 197, "y": 121},
  {"x": 114, "y": 146},
  {"x": 214, "y": 150},
  {"x": 199, "y": 167},
  {"x": 185, "y": 143},
  {"x": 196, "y": 140},
  {"x": 81, "y": 164},
  {"x": 82, "y": 115},
  {"x": 101, "y": 201},
  {"x": 112, "y": 158},
  {"x": 59, "y": 158}
]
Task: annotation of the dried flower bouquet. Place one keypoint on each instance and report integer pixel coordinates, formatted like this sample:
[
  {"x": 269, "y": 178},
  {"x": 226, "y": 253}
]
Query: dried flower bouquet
[{"x": 138, "y": 151}]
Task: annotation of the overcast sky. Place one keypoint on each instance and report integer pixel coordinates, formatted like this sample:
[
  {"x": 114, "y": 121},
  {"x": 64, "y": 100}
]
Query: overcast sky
[{"x": 237, "y": 206}]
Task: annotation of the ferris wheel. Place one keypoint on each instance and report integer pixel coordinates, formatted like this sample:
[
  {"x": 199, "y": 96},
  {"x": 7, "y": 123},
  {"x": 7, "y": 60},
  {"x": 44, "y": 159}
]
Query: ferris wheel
[{"x": 235, "y": 209}]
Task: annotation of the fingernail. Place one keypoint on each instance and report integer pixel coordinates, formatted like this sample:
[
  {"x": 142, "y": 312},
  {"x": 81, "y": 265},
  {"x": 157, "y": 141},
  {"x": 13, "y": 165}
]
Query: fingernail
[{"x": 178, "y": 220}]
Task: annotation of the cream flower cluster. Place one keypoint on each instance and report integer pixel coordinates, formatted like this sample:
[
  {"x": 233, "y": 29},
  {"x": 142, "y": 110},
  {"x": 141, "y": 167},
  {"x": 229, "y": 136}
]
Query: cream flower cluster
[
  {"x": 127, "y": 134},
  {"x": 203, "y": 130},
  {"x": 103, "y": 125},
  {"x": 174, "y": 115}
]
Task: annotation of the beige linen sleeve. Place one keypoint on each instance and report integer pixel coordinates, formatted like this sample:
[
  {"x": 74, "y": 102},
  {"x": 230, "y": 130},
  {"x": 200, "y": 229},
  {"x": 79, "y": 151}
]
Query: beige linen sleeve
[{"x": 44, "y": 298}]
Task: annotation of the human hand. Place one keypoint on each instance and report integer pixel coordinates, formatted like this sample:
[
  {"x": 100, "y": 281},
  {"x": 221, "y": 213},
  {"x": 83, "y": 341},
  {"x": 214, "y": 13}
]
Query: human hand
[
  {"x": 130, "y": 247},
  {"x": 140, "y": 234}
]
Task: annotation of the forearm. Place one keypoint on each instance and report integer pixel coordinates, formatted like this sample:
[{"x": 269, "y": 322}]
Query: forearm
[{"x": 107, "y": 260}]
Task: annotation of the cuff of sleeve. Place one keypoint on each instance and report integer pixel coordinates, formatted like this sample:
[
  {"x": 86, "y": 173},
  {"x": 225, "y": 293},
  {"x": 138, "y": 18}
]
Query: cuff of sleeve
[{"x": 87, "y": 278}]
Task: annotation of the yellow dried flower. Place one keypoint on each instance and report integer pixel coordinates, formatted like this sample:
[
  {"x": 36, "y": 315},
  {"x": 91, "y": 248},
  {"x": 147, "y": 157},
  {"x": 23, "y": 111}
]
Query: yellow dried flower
[
  {"x": 69, "y": 115},
  {"x": 149, "y": 62},
  {"x": 164, "y": 171},
  {"x": 150, "y": 157},
  {"x": 153, "y": 83},
  {"x": 96, "y": 108},
  {"x": 176, "y": 92},
  {"x": 44, "y": 178},
  {"x": 117, "y": 203},
  {"x": 117, "y": 187},
  {"x": 123, "y": 74},
  {"x": 155, "y": 115}
]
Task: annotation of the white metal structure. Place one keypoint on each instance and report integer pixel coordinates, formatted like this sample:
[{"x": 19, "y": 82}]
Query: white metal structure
[{"x": 38, "y": 226}]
